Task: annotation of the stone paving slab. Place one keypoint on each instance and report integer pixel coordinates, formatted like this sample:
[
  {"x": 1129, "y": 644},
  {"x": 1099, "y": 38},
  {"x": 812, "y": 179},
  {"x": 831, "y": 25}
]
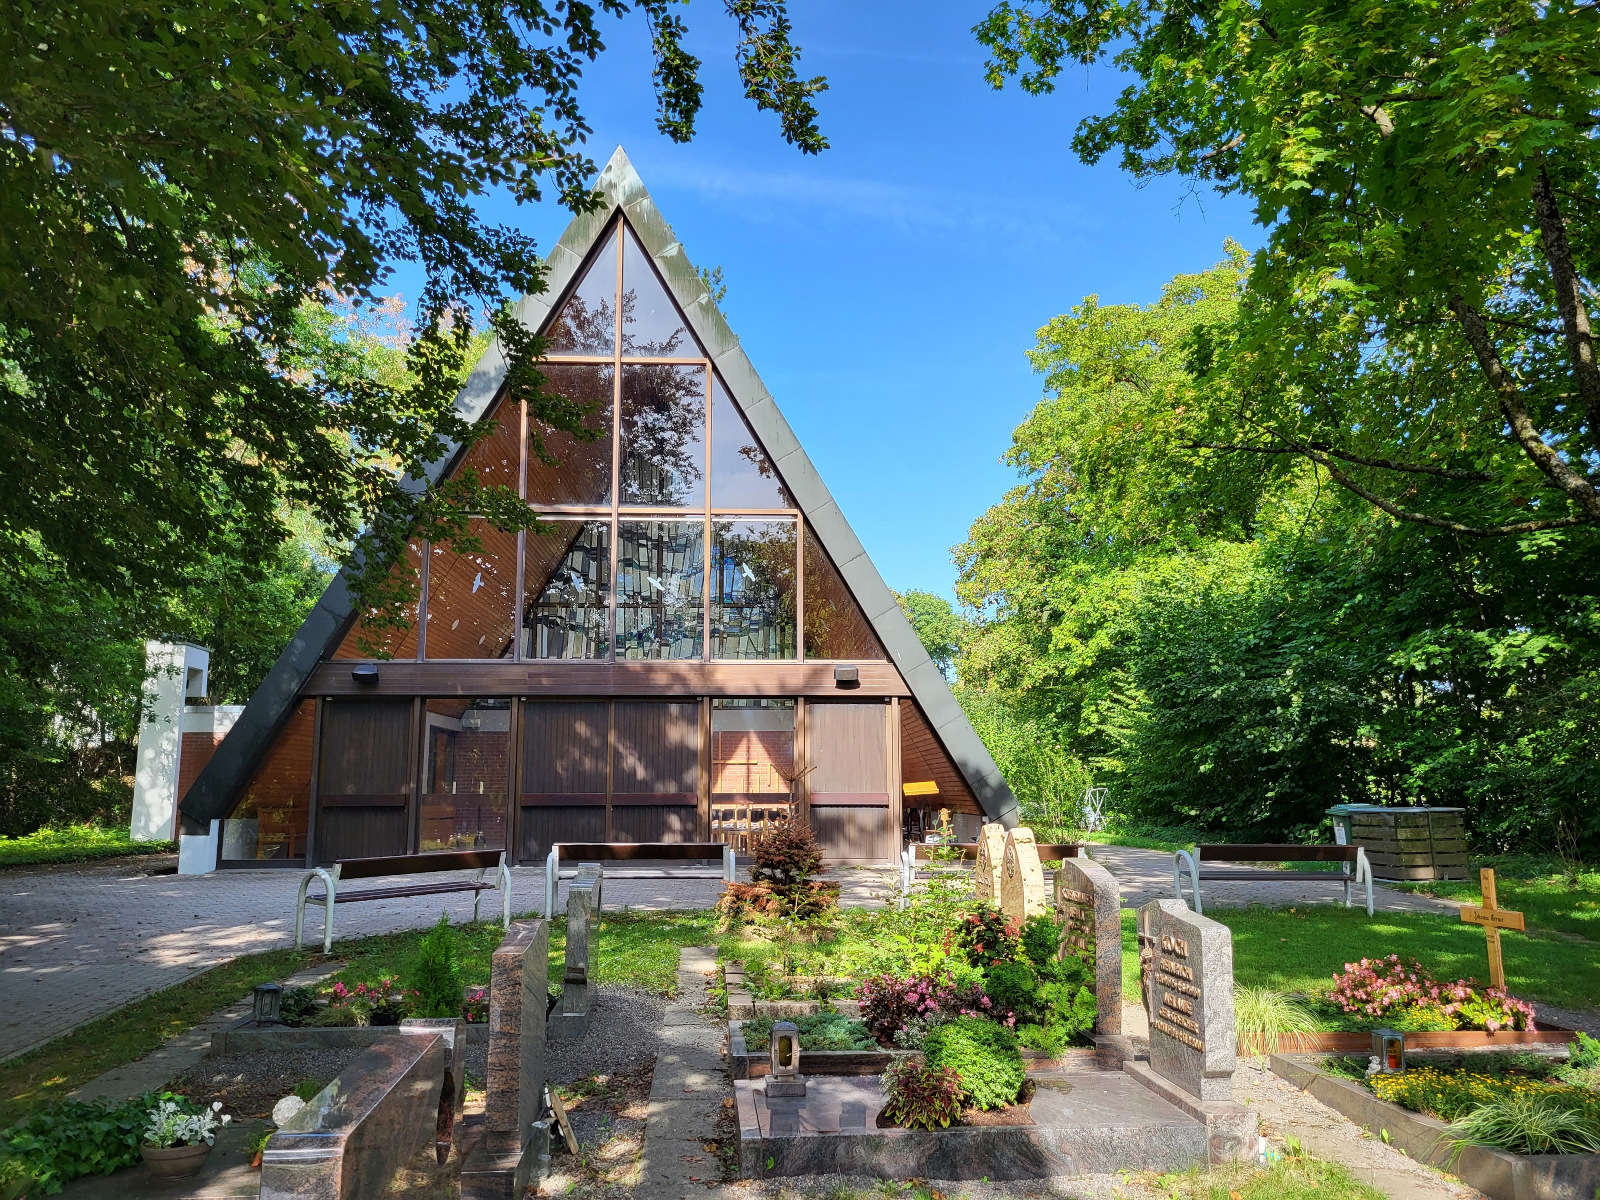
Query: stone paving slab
[{"x": 687, "y": 1090}]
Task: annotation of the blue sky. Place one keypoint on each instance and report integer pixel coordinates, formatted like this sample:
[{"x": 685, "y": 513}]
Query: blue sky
[{"x": 887, "y": 290}]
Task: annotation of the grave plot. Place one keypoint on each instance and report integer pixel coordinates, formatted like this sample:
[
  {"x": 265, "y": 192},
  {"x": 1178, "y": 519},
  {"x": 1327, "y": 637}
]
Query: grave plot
[{"x": 1007, "y": 1061}]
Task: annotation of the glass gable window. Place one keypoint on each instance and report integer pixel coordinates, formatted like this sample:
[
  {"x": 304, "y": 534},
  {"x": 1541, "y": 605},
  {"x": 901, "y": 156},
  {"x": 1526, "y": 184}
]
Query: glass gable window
[
  {"x": 587, "y": 323},
  {"x": 569, "y": 591},
  {"x": 753, "y": 577},
  {"x": 472, "y": 597},
  {"x": 564, "y": 469},
  {"x": 651, "y": 326},
  {"x": 660, "y": 589},
  {"x": 663, "y": 436},
  {"x": 742, "y": 476}
]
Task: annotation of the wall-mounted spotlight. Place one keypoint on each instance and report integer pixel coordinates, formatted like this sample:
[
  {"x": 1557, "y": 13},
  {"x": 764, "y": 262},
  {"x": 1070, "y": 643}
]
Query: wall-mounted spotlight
[
  {"x": 365, "y": 673},
  {"x": 847, "y": 677}
]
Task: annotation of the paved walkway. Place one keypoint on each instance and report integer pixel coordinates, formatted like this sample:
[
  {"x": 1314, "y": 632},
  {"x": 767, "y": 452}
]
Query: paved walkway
[{"x": 687, "y": 1090}]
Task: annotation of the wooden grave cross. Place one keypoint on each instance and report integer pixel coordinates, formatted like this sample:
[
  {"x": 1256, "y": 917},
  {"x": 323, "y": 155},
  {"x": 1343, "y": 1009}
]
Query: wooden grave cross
[{"x": 1493, "y": 919}]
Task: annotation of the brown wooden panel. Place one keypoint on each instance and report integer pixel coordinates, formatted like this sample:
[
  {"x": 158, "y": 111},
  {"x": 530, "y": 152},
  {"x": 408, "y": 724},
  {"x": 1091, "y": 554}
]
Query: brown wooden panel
[
  {"x": 851, "y": 799},
  {"x": 472, "y": 597},
  {"x": 923, "y": 760},
  {"x": 383, "y": 800},
  {"x": 362, "y": 640},
  {"x": 848, "y": 748},
  {"x": 654, "y": 822},
  {"x": 656, "y": 748},
  {"x": 1276, "y": 852},
  {"x": 360, "y": 832},
  {"x": 852, "y": 833},
  {"x": 558, "y": 799},
  {"x": 564, "y": 749},
  {"x": 543, "y": 826},
  {"x": 364, "y": 748},
  {"x": 628, "y": 678},
  {"x": 647, "y": 799}
]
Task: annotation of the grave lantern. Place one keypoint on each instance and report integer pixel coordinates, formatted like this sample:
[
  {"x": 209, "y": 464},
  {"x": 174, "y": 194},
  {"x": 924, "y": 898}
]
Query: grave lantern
[
  {"x": 785, "y": 1050},
  {"x": 267, "y": 1000},
  {"x": 784, "y": 1077},
  {"x": 1389, "y": 1047}
]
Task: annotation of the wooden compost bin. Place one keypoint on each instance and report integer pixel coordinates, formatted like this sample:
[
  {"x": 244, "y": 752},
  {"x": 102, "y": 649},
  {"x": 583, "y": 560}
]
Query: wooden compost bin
[{"x": 1407, "y": 843}]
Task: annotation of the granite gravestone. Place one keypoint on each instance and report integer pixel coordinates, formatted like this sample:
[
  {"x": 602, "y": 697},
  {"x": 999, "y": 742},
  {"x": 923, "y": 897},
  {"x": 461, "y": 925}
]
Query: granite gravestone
[
  {"x": 571, "y": 1018},
  {"x": 991, "y": 857},
  {"x": 1189, "y": 996},
  {"x": 1089, "y": 910},
  {"x": 1022, "y": 892},
  {"x": 348, "y": 1142},
  {"x": 516, "y": 1138}
]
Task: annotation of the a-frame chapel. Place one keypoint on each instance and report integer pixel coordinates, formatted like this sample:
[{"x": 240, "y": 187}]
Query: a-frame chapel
[{"x": 695, "y": 643}]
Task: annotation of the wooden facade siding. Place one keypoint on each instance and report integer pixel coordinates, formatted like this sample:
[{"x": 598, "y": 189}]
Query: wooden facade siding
[
  {"x": 656, "y": 747},
  {"x": 657, "y": 799},
  {"x": 366, "y": 748},
  {"x": 564, "y": 748},
  {"x": 598, "y": 679},
  {"x": 360, "y": 833},
  {"x": 849, "y": 747},
  {"x": 923, "y": 760},
  {"x": 542, "y": 827},
  {"x": 851, "y": 833},
  {"x": 654, "y": 823},
  {"x": 557, "y": 799},
  {"x": 850, "y": 799}
]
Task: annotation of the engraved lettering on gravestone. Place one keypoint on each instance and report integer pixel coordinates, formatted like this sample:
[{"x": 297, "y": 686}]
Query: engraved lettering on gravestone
[
  {"x": 1088, "y": 906},
  {"x": 1190, "y": 998}
]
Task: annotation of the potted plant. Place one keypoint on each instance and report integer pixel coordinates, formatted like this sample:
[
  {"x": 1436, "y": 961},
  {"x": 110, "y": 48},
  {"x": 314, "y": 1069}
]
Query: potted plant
[{"x": 178, "y": 1136}]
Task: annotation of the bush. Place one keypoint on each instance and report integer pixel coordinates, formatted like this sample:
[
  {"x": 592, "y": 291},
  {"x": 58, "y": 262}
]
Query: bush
[
  {"x": 921, "y": 1096},
  {"x": 985, "y": 1054},
  {"x": 986, "y": 936},
  {"x": 890, "y": 1004},
  {"x": 298, "y": 1005},
  {"x": 1261, "y": 1016},
  {"x": 1014, "y": 989},
  {"x": 1046, "y": 1039},
  {"x": 435, "y": 974},
  {"x": 1041, "y": 941},
  {"x": 786, "y": 854},
  {"x": 71, "y": 1138},
  {"x": 391, "y": 1012},
  {"x": 1071, "y": 1008}
]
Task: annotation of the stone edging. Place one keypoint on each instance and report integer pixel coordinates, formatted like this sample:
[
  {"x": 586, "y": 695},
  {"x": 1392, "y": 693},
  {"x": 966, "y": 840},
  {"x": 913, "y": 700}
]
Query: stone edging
[{"x": 1496, "y": 1173}]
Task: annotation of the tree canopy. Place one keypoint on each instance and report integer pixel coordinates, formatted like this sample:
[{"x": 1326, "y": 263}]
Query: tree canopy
[{"x": 1418, "y": 323}]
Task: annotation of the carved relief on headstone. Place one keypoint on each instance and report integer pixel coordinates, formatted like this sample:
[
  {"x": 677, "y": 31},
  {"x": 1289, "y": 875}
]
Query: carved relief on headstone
[
  {"x": 991, "y": 858},
  {"x": 1089, "y": 908},
  {"x": 1189, "y": 993},
  {"x": 1022, "y": 893}
]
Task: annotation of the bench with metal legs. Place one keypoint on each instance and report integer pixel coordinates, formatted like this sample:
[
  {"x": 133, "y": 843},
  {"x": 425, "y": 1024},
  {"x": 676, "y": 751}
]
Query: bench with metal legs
[
  {"x": 604, "y": 852},
  {"x": 1346, "y": 855},
  {"x": 345, "y": 870}
]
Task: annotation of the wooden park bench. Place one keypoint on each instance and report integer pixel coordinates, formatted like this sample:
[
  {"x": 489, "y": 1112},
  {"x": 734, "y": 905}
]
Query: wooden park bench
[
  {"x": 1345, "y": 855},
  {"x": 346, "y": 869},
  {"x": 659, "y": 852}
]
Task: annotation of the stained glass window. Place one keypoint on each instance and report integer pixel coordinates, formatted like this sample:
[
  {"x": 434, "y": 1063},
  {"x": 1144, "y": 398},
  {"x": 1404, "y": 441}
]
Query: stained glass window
[
  {"x": 752, "y": 599},
  {"x": 568, "y": 570},
  {"x": 660, "y": 589}
]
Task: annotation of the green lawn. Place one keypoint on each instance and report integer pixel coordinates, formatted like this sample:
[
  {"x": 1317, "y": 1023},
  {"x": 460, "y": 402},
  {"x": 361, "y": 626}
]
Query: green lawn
[
  {"x": 1301, "y": 951},
  {"x": 1552, "y": 900},
  {"x": 73, "y": 843}
]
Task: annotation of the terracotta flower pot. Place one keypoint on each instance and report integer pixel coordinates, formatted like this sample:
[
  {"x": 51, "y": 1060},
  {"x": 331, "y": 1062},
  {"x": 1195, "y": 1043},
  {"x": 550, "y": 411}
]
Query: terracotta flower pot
[{"x": 174, "y": 1162}]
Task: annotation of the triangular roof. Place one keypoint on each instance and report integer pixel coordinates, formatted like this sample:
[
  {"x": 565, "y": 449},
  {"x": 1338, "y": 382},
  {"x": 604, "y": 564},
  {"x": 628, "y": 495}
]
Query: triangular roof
[{"x": 620, "y": 187}]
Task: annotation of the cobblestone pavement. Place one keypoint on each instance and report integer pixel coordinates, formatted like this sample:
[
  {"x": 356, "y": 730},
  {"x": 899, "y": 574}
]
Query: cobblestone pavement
[{"x": 77, "y": 943}]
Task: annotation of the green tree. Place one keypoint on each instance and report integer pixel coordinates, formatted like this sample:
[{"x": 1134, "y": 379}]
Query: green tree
[
  {"x": 938, "y": 626},
  {"x": 1417, "y": 326}
]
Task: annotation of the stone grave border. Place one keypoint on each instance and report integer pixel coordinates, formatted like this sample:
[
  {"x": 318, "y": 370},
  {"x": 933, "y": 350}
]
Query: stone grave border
[{"x": 1496, "y": 1173}]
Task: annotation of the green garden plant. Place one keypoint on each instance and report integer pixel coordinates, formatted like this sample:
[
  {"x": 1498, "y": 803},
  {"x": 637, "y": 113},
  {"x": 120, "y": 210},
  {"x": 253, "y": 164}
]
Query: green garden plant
[
  {"x": 1543, "y": 1122},
  {"x": 819, "y": 1031},
  {"x": 921, "y": 1096},
  {"x": 435, "y": 978},
  {"x": 985, "y": 1055},
  {"x": 1261, "y": 1016},
  {"x": 72, "y": 1138}
]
